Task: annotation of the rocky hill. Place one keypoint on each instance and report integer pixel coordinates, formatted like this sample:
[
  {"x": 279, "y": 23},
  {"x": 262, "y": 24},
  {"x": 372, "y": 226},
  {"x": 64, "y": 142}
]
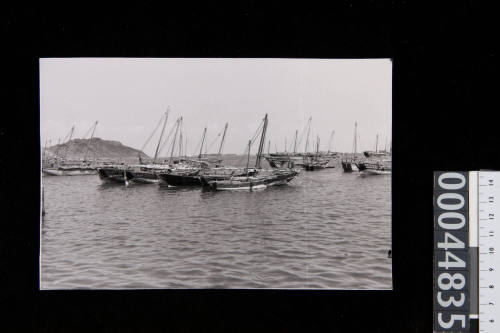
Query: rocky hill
[{"x": 98, "y": 148}]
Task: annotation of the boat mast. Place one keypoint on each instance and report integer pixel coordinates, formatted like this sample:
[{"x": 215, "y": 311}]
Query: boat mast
[
  {"x": 261, "y": 144},
  {"x": 202, "y": 141},
  {"x": 308, "y": 131},
  {"x": 269, "y": 148},
  {"x": 90, "y": 141},
  {"x": 285, "y": 145},
  {"x": 161, "y": 135},
  {"x": 175, "y": 137},
  {"x": 295, "y": 142},
  {"x": 248, "y": 157},
  {"x": 317, "y": 147},
  {"x": 355, "y": 137},
  {"x": 180, "y": 139},
  {"x": 69, "y": 140},
  {"x": 376, "y": 144},
  {"x": 330, "y": 143},
  {"x": 185, "y": 147},
  {"x": 222, "y": 142}
]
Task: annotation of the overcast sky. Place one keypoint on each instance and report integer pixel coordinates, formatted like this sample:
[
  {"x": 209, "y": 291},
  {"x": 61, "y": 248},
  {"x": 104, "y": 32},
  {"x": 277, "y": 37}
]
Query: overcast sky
[{"x": 128, "y": 97}]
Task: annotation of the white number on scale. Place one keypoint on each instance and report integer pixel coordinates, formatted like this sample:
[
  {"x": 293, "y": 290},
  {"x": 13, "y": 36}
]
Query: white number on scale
[
  {"x": 451, "y": 196},
  {"x": 453, "y": 317},
  {"x": 456, "y": 244},
  {"x": 450, "y": 300},
  {"x": 457, "y": 220},
  {"x": 456, "y": 263},
  {"x": 451, "y": 281}
]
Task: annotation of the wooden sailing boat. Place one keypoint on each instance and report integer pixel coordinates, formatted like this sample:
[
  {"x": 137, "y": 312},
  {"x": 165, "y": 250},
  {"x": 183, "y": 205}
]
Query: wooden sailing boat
[
  {"x": 135, "y": 173},
  {"x": 349, "y": 162},
  {"x": 189, "y": 171},
  {"x": 315, "y": 162},
  {"x": 258, "y": 180}
]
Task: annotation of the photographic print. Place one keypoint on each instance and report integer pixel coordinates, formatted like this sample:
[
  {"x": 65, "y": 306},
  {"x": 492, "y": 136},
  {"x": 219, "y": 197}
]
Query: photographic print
[{"x": 185, "y": 173}]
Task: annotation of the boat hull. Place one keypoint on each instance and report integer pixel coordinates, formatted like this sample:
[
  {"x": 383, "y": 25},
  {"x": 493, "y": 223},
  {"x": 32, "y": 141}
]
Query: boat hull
[
  {"x": 248, "y": 184},
  {"x": 69, "y": 172},
  {"x": 376, "y": 172},
  {"x": 179, "y": 180},
  {"x": 113, "y": 175},
  {"x": 349, "y": 167}
]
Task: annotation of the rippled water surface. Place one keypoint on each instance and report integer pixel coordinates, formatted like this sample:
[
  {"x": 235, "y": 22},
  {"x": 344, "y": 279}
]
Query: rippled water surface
[{"x": 326, "y": 229}]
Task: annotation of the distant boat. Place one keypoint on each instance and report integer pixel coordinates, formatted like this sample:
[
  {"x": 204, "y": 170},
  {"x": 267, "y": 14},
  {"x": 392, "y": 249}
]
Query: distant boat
[
  {"x": 376, "y": 152},
  {"x": 69, "y": 170},
  {"x": 308, "y": 161},
  {"x": 315, "y": 162},
  {"x": 60, "y": 166}
]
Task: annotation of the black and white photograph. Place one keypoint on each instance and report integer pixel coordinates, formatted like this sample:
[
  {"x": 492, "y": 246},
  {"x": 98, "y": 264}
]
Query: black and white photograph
[{"x": 216, "y": 173}]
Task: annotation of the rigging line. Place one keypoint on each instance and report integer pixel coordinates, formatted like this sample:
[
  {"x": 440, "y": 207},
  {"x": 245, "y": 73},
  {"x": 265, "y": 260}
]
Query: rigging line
[
  {"x": 153, "y": 133},
  {"x": 88, "y": 132},
  {"x": 249, "y": 146},
  {"x": 303, "y": 132},
  {"x": 257, "y": 132},
  {"x": 214, "y": 140}
]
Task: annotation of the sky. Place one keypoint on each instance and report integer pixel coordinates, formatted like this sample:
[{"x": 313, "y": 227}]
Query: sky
[{"x": 128, "y": 97}]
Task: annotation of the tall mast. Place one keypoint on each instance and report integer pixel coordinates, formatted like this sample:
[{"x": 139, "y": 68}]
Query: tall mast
[
  {"x": 308, "y": 130},
  {"x": 202, "y": 141},
  {"x": 285, "y": 145},
  {"x": 161, "y": 135},
  {"x": 180, "y": 139},
  {"x": 175, "y": 137},
  {"x": 330, "y": 143},
  {"x": 269, "y": 147},
  {"x": 222, "y": 142},
  {"x": 248, "y": 157},
  {"x": 376, "y": 144},
  {"x": 90, "y": 141},
  {"x": 261, "y": 144},
  {"x": 295, "y": 142},
  {"x": 317, "y": 146},
  {"x": 355, "y": 137}
]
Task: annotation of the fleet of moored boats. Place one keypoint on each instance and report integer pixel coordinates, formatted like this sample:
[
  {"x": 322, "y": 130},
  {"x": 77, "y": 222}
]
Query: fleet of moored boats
[{"x": 211, "y": 174}]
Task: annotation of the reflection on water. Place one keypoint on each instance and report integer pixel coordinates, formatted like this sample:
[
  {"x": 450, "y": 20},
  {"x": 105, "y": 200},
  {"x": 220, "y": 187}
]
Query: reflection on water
[{"x": 326, "y": 229}]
